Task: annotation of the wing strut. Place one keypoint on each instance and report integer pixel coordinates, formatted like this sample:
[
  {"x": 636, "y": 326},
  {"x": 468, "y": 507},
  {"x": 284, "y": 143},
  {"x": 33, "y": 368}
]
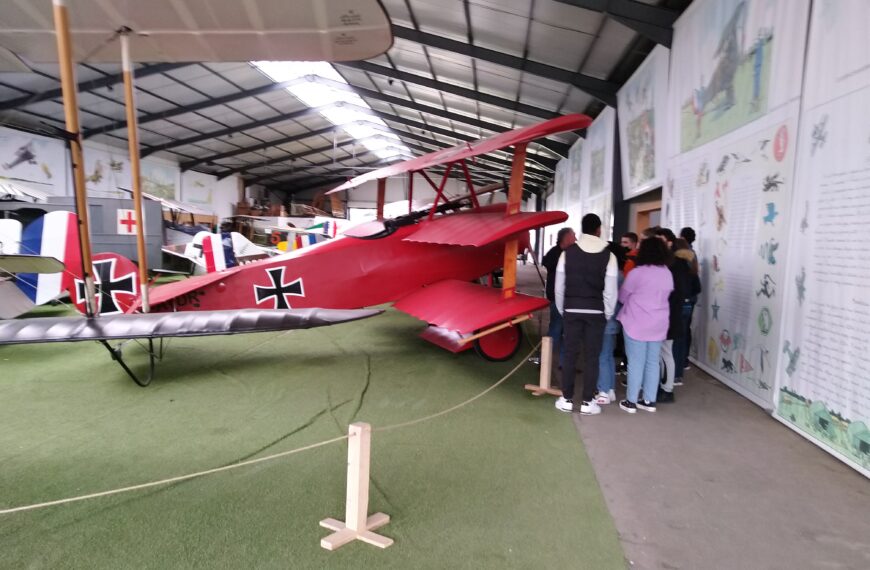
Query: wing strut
[
  {"x": 515, "y": 195},
  {"x": 469, "y": 184}
]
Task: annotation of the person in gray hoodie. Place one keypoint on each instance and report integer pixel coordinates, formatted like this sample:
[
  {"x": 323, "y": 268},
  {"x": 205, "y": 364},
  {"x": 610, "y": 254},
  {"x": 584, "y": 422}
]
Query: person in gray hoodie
[{"x": 586, "y": 293}]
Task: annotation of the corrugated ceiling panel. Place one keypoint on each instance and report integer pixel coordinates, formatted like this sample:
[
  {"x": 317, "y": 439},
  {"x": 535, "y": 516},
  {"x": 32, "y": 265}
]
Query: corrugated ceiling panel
[
  {"x": 542, "y": 96},
  {"x": 499, "y": 30},
  {"x": 397, "y": 11},
  {"x": 569, "y": 17},
  {"x": 442, "y": 17},
  {"x": 577, "y": 101},
  {"x": 177, "y": 93},
  {"x": 557, "y": 46},
  {"x": 608, "y": 49}
]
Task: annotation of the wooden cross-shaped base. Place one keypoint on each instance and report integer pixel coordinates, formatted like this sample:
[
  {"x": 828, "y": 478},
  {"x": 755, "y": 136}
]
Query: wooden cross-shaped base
[
  {"x": 543, "y": 387},
  {"x": 357, "y": 525},
  {"x": 343, "y": 535}
]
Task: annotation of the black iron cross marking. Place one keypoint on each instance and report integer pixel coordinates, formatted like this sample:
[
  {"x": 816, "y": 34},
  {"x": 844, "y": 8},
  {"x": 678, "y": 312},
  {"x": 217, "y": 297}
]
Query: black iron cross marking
[
  {"x": 279, "y": 290},
  {"x": 107, "y": 287}
]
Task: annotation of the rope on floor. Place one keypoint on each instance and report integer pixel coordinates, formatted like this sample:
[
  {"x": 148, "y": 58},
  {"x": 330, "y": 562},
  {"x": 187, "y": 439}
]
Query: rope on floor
[
  {"x": 272, "y": 457},
  {"x": 463, "y": 404}
]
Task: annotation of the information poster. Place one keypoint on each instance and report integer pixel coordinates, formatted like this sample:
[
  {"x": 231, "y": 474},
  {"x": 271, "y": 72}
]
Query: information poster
[
  {"x": 737, "y": 196},
  {"x": 642, "y": 104},
  {"x": 824, "y": 375}
]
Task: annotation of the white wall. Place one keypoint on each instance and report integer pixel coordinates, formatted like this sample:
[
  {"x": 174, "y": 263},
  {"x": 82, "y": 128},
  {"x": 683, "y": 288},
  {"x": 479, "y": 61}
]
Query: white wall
[{"x": 107, "y": 172}]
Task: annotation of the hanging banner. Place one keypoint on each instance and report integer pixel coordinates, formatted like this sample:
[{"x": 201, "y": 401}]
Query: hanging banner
[
  {"x": 642, "y": 104},
  {"x": 596, "y": 187},
  {"x": 824, "y": 383},
  {"x": 732, "y": 61}
]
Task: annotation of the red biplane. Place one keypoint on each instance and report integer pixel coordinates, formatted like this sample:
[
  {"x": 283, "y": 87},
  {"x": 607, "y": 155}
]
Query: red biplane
[{"x": 425, "y": 262}]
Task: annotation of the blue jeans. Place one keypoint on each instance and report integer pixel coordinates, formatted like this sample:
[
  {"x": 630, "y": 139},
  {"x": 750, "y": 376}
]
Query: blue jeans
[
  {"x": 555, "y": 331},
  {"x": 643, "y": 368},
  {"x": 681, "y": 344},
  {"x": 606, "y": 364}
]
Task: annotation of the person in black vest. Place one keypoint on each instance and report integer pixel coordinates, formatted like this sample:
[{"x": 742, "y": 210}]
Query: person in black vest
[
  {"x": 586, "y": 291},
  {"x": 564, "y": 239}
]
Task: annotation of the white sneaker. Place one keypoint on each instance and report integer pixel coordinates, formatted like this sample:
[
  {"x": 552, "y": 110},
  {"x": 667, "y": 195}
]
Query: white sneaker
[
  {"x": 589, "y": 408},
  {"x": 612, "y": 395},
  {"x": 564, "y": 405},
  {"x": 602, "y": 399}
]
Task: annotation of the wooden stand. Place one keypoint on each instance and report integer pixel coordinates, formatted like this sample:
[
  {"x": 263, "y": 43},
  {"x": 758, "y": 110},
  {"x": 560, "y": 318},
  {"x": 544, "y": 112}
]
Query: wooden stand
[
  {"x": 546, "y": 371},
  {"x": 357, "y": 525}
]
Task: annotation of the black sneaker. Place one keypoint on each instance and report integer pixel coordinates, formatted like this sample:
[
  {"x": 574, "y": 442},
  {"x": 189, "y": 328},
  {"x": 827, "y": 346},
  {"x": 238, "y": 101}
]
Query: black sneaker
[
  {"x": 678, "y": 381},
  {"x": 627, "y": 406},
  {"x": 624, "y": 382},
  {"x": 665, "y": 397},
  {"x": 648, "y": 406}
]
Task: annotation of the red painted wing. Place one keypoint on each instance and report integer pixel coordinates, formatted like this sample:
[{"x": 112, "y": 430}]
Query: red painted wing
[
  {"x": 480, "y": 229},
  {"x": 468, "y": 150},
  {"x": 465, "y": 307}
]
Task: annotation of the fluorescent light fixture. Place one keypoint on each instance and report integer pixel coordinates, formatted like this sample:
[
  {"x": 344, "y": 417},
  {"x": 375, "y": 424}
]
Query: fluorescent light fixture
[{"x": 318, "y": 84}]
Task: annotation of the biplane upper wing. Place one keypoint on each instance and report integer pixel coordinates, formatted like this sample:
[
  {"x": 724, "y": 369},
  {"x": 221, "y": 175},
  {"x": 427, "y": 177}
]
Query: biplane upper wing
[
  {"x": 469, "y": 150},
  {"x": 478, "y": 229},
  {"x": 181, "y": 324},
  {"x": 465, "y": 307}
]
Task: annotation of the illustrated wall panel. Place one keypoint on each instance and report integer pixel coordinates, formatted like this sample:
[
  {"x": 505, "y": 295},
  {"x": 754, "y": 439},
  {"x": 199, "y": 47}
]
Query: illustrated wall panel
[{"x": 642, "y": 105}]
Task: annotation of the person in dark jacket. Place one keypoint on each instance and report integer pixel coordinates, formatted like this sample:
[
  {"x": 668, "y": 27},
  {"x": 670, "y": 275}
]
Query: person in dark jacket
[
  {"x": 682, "y": 275},
  {"x": 564, "y": 239},
  {"x": 683, "y": 251}
]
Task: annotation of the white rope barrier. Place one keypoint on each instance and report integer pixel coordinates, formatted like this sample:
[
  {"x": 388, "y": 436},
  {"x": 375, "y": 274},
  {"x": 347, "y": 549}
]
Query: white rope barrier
[{"x": 272, "y": 457}]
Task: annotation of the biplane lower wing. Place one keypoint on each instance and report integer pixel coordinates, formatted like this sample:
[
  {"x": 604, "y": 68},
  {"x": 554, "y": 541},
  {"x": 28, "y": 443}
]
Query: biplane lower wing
[
  {"x": 164, "y": 325},
  {"x": 21, "y": 263},
  {"x": 466, "y": 307},
  {"x": 480, "y": 229}
]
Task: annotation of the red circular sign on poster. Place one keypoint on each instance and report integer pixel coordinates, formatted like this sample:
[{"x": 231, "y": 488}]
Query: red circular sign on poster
[{"x": 780, "y": 143}]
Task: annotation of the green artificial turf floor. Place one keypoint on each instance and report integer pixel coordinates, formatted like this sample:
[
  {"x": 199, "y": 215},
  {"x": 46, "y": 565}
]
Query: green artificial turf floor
[{"x": 501, "y": 483}]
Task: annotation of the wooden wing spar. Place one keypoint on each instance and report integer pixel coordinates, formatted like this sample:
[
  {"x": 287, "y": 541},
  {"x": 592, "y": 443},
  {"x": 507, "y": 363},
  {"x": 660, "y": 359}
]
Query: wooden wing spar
[{"x": 469, "y": 150}]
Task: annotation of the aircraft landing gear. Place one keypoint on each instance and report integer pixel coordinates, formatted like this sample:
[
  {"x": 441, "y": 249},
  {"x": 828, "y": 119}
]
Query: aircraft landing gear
[{"x": 500, "y": 345}]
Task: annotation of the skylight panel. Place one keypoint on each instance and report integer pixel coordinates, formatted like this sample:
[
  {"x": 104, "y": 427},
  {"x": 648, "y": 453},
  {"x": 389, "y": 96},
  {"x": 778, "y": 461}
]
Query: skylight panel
[{"x": 341, "y": 107}]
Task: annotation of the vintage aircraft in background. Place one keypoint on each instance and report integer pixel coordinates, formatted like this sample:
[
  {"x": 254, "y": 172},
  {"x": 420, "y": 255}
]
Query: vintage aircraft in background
[
  {"x": 426, "y": 261},
  {"x": 339, "y": 33}
]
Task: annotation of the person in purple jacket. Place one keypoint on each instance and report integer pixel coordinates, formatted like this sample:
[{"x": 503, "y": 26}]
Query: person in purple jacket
[{"x": 645, "y": 316}]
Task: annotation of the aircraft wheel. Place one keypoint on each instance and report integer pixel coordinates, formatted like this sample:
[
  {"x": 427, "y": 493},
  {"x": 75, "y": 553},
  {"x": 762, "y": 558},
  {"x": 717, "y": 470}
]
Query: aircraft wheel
[{"x": 501, "y": 345}]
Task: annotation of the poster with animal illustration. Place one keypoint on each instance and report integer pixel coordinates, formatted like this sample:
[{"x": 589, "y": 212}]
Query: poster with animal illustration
[{"x": 642, "y": 104}]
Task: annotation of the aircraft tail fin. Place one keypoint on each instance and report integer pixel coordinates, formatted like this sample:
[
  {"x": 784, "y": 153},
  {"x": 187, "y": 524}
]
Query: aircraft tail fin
[
  {"x": 52, "y": 235},
  {"x": 207, "y": 251}
]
